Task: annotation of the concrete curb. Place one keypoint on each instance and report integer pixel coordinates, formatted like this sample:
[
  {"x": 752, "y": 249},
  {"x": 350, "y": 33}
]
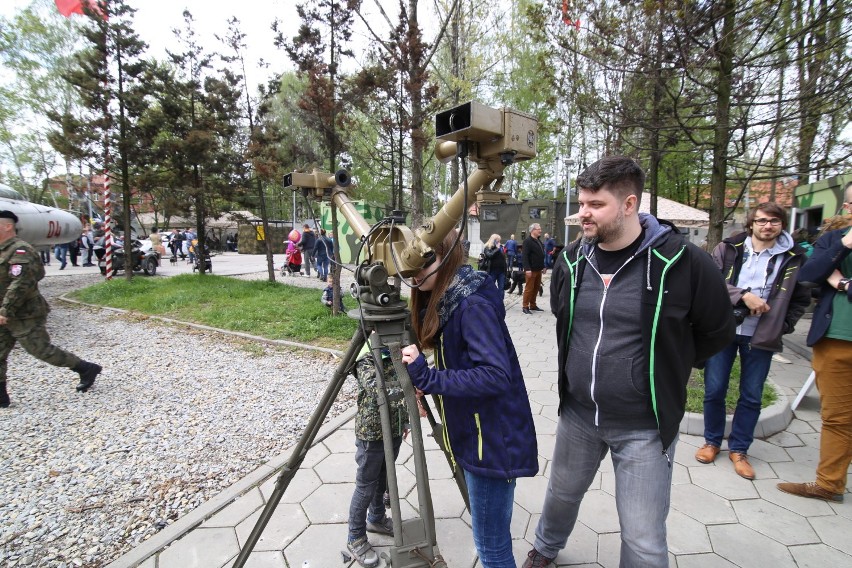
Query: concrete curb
[
  {"x": 177, "y": 530},
  {"x": 773, "y": 419},
  {"x": 797, "y": 347}
]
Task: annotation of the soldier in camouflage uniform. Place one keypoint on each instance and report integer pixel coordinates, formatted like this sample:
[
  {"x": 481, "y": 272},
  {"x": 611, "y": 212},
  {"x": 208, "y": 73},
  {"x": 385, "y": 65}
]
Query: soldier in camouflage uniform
[
  {"x": 367, "y": 510},
  {"x": 23, "y": 312}
]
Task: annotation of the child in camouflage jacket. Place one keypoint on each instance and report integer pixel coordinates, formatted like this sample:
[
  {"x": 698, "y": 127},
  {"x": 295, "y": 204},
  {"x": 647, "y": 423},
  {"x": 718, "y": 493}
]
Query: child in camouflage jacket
[{"x": 367, "y": 509}]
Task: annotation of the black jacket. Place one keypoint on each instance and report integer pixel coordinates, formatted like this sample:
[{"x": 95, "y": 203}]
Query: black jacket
[
  {"x": 496, "y": 259},
  {"x": 533, "y": 254},
  {"x": 827, "y": 257},
  {"x": 684, "y": 309}
]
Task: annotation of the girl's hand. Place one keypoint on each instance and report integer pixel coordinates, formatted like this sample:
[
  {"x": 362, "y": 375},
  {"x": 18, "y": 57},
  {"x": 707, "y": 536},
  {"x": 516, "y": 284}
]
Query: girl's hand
[
  {"x": 410, "y": 353},
  {"x": 419, "y": 394}
]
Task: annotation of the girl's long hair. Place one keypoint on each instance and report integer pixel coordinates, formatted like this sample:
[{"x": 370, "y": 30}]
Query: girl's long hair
[{"x": 426, "y": 327}]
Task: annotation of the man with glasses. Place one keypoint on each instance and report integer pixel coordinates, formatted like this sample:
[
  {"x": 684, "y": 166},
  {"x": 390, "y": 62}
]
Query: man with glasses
[{"x": 760, "y": 267}]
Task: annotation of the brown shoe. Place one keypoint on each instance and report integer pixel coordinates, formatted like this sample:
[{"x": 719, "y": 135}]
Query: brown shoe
[
  {"x": 535, "y": 559},
  {"x": 741, "y": 465},
  {"x": 810, "y": 489},
  {"x": 707, "y": 453}
]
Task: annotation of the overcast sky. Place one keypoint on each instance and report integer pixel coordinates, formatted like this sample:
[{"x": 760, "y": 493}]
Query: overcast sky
[{"x": 155, "y": 20}]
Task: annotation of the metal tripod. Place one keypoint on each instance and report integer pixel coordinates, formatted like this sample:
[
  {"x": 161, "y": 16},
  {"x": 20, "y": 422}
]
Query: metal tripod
[{"x": 415, "y": 544}]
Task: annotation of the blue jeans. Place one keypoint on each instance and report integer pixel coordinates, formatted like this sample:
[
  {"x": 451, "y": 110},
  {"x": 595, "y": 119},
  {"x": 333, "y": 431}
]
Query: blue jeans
[
  {"x": 61, "y": 254},
  {"x": 491, "y": 514},
  {"x": 371, "y": 480},
  {"x": 643, "y": 478},
  {"x": 500, "y": 278},
  {"x": 322, "y": 268},
  {"x": 754, "y": 367}
]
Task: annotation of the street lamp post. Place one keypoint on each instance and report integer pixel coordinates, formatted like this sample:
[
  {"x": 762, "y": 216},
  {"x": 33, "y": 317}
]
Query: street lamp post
[{"x": 569, "y": 163}]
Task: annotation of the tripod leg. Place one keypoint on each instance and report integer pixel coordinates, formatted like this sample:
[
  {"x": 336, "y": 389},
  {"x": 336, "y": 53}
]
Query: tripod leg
[{"x": 288, "y": 471}]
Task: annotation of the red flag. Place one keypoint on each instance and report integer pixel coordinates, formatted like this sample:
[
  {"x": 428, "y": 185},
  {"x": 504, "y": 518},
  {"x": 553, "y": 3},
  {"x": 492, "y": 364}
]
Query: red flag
[{"x": 68, "y": 7}]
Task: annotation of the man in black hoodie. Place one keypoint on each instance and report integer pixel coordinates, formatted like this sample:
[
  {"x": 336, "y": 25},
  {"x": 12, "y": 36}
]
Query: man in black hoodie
[
  {"x": 636, "y": 307},
  {"x": 533, "y": 259}
]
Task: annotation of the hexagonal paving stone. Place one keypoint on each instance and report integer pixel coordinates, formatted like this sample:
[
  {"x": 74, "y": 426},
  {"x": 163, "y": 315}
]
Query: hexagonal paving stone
[
  {"x": 834, "y": 531},
  {"x": 703, "y": 561},
  {"x": 777, "y": 523},
  {"x": 447, "y": 501},
  {"x": 530, "y": 492},
  {"x": 287, "y": 521},
  {"x": 455, "y": 542},
  {"x": 242, "y": 507},
  {"x": 767, "y": 452},
  {"x": 545, "y": 443},
  {"x": 609, "y": 550},
  {"x": 597, "y": 511},
  {"x": 436, "y": 465},
  {"x": 201, "y": 548},
  {"x": 582, "y": 546},
  {"x": 544, "y": 425},
  {"x": 329, "y": 503},
  {"x": 785, "y": 439},
  {"x": 266, "y": 559},
  {"x": 341, "y": 441},
  {"x": 337, "y": 468},
  {"x": 723, "y": 481},
  {"x": 702, "y": 505},
  {"x": 520, "y": 521},
  {"x": 546, "y": 397},
  {"x": 730, "y": 542},
  {"x": 820, "y": 556},
  {"x": 303, "y": 484},
  {"x": 686, "y": 535},
  {"x": 319, "y": 545},
  {"x": 768, "y": 490}
]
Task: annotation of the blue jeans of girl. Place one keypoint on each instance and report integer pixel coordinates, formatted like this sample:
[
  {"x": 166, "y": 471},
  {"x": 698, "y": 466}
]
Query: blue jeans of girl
[{"x": 491, "y": 514}]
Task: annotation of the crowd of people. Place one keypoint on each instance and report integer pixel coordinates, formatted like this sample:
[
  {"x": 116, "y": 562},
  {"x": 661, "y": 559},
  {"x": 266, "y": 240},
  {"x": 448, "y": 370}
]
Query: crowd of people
[{"x": 623, "y": 364}]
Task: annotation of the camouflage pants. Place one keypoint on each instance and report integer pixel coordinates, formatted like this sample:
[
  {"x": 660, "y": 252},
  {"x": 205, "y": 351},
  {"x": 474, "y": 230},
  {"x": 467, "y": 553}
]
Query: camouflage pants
[{"x": 32, "y": 335}]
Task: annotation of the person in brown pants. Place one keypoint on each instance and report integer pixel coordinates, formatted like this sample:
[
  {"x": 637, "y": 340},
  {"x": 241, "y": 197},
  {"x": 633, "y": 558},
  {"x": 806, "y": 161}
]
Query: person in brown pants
[
  {"x": 533, "y": 260},
  {"x": 830, "y": 269}
]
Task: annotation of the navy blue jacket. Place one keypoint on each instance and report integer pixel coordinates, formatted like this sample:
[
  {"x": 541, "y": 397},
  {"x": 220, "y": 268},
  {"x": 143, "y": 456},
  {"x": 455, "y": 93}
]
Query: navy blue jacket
[
  {"x": 828, "y": 254},
  {"x": 486, "y": 411}
]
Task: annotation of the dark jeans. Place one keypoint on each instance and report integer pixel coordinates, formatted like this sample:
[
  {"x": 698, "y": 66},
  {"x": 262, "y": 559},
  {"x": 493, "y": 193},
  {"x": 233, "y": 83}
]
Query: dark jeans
[
  {"x": 754, "y": 367},
  {"x": 371, "y": 480},
  {"x": 491, "y": 516},
  {"x": 322, "y": 268}
]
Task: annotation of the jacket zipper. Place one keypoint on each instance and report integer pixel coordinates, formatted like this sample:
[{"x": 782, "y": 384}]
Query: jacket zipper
[
  {"x": 600, "y": 334},
  {"x": 439, "y": 364}
]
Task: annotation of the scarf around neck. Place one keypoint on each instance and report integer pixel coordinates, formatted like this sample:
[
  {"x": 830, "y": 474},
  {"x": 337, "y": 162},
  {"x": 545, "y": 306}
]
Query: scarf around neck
[{"x": 466, "y": 282}]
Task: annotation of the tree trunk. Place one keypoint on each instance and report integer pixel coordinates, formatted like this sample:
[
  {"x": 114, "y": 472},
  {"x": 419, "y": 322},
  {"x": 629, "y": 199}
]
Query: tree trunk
[{"x": 721, "y": 137}]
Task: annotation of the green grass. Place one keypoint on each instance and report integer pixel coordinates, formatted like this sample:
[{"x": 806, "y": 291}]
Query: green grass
[
  {"x": 695, "y": 391},
  {"x": 267, "y": 309}
]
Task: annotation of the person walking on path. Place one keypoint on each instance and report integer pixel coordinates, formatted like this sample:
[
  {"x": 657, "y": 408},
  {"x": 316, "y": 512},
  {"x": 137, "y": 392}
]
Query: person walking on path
[
  {"x": 367, "y": 508},
  {"x": 23, "y": 312},
  {"x": 511, "y": 250},
  {"x": 323, "y": 253},
  {"x": 830, "y": 269},
  {"x": 760, "y": 267},
  {"x": 533, "y": 260},
  {"x": 488, "y": 425},
  {"x": 549, "y": 247},
  {"x": 493, "y": 254},
  {"x": 637, "y": 306},
  {"x": 307, "y": 244}
]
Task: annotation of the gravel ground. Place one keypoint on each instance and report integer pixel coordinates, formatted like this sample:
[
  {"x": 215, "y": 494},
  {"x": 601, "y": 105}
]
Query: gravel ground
[{"x": 176, "y": 416}]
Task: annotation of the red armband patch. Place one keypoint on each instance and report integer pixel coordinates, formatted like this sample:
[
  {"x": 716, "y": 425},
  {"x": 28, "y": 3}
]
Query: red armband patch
[{"x": 21, "y": 251}]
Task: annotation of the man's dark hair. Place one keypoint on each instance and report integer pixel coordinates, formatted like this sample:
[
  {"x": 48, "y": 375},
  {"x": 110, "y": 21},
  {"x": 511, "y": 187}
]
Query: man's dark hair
[
  {"x": 621, "y": 175},
  {"x": 770, "y": 209}
]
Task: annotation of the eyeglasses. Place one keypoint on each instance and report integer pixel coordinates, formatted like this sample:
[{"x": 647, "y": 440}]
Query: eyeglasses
[{"x": 774, "y": 222}]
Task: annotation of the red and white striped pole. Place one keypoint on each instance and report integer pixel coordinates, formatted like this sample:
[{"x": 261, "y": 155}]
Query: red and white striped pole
[{"x": 108, "y": 226}]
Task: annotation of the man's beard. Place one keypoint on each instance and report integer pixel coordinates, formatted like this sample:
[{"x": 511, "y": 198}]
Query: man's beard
[{"x": 611, "y": 231}]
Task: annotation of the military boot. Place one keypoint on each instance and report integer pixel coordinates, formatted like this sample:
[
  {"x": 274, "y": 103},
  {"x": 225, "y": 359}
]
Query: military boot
[
  {"x": 88, "y": 372},
  {"x": 4, "y": 396}
]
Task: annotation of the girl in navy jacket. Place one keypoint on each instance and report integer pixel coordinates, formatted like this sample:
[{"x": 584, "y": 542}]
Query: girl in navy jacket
[{"x": 458, "y": 313}]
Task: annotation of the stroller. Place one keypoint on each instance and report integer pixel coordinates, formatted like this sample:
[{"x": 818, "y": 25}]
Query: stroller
[
  {"x": 292, "y": 262},
  {"x": 201, "y": 257}
]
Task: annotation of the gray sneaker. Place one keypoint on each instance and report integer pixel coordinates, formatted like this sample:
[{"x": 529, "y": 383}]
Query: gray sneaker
[
  {"x": 385, "y": 526},
  {"x": 363, "y": 552}
]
